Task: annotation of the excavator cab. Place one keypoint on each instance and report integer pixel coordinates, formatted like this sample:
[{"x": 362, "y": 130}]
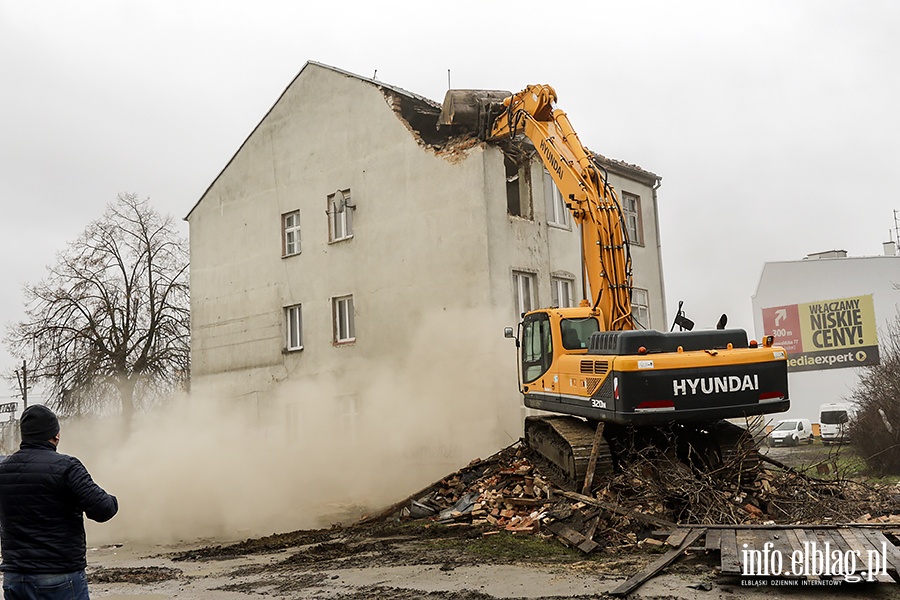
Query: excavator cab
[{"x": 547, "y": 336}]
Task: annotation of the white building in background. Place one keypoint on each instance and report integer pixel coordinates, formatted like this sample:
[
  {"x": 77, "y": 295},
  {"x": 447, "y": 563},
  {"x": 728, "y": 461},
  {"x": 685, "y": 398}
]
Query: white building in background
[
  {"x": 830, "y": 312},
  {"x": 351, "y": 241}
]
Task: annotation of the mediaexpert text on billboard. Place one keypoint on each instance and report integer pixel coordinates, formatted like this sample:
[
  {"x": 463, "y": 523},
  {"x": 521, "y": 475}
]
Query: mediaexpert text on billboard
[{"x": 827, "y": 334}]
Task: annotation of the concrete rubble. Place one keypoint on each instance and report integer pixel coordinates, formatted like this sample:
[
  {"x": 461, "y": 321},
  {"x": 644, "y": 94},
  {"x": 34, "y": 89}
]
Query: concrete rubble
[{"x": 640, "y": 506}]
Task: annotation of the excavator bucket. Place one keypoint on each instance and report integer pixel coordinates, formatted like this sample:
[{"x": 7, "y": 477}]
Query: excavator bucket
[{"x": 471, "y": 110}]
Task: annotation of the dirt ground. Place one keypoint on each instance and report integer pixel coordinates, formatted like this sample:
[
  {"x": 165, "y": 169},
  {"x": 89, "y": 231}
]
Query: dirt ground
[{"x": 417, "y": 559}]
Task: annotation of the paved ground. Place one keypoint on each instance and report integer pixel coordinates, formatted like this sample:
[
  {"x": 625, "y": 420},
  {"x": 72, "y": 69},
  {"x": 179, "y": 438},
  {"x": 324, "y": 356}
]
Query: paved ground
[
  {"x": 405, "y": 561},
  {"x": 153, "y": 573}
]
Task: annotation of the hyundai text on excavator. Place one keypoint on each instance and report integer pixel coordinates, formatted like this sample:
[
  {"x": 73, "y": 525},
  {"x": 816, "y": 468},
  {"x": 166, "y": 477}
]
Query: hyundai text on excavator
[{"x": 636, "y": 388}]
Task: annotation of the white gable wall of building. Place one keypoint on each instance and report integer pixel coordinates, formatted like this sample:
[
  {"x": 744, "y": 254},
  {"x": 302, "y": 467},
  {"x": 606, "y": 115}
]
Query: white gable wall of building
[
  {"x": 408, "y": 206},
  {"x": 430, "y": 265},
  {"x": 821, "y": 279}
]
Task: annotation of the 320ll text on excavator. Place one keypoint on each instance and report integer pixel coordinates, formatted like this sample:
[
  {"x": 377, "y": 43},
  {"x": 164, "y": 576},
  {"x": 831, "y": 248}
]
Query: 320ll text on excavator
[{"x": 614, "y": 387}]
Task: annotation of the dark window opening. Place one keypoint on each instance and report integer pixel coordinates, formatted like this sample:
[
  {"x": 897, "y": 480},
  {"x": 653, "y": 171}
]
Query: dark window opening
[{"x": 518, "y": 187}]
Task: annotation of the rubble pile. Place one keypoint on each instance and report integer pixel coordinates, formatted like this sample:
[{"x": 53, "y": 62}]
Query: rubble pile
[
  {"x": 668, "y": 488},
  {"x": 512, "y": 491}
]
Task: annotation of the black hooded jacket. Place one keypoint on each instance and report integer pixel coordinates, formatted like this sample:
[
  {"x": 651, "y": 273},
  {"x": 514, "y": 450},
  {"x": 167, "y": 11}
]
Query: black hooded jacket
[{"x": 43, "y": 495}]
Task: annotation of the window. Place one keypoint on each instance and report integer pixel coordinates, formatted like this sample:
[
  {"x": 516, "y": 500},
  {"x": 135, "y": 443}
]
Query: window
[
  {"x": 344, "y": 326},
  {"x": 631, "y": 210},
  {"x": 340, "y": 216},
  {"x": 561, "y": 292},
  {"x": 576, "y": 333},
  {"x": 293, "y": 328},
  {"x": 557, "y": 212},
  {"x": 290, "y": 239},
  {"x": 640, "y": 308},
  {"x": 524, "y": 284},
  {"x": 518, "y": 188},
  {"x": 537, "y": 347}
]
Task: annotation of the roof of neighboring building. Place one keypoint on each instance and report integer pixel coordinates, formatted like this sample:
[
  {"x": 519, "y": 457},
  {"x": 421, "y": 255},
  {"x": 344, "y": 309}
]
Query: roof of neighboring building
[
  {"x": 627, "y": 169},
  {"x": 823, "y": 268}
]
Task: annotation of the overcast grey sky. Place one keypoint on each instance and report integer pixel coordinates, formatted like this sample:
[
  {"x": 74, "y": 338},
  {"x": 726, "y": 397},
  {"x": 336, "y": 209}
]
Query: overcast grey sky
[{"x": 774, "y": 125}]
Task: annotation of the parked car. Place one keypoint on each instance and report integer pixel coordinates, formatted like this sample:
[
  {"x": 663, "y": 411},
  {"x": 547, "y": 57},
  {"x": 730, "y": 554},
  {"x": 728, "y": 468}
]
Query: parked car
[
  {"x": 791, "y": 432},
  {"x": 834, "y": 422}
]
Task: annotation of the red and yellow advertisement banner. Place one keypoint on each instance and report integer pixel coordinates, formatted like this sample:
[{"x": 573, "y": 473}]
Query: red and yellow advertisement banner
[{"x": 827, "y": 334}]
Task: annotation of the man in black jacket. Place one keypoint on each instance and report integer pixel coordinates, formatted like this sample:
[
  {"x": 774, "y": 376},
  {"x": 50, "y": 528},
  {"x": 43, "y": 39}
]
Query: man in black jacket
[{"x": 43, "y": 497}]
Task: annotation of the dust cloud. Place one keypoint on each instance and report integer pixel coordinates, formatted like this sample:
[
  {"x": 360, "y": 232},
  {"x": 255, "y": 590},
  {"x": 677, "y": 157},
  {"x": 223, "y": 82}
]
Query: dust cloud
[{"x": 309, "y": 454}]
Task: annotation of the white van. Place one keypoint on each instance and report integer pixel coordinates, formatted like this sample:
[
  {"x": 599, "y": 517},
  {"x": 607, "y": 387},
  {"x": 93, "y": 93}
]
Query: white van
[
  {"x": 834, "y": 422},
  {"x": 790, "y": 432}
]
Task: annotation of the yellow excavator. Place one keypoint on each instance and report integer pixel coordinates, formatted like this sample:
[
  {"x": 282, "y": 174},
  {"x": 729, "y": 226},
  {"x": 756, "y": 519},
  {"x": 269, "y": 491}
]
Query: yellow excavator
[{"x": 614, "y": 388}]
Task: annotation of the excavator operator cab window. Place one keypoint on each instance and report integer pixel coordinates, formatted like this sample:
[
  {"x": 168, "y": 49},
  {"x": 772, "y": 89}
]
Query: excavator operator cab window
[
  {"x": 577, "y": 332},
  {"x": 537, "y": 347}
]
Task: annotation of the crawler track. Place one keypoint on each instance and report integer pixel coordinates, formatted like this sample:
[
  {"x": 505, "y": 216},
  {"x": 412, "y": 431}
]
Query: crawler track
[
  {"x": 566, "y": 442},
  {"x": 725, "y": 450}
]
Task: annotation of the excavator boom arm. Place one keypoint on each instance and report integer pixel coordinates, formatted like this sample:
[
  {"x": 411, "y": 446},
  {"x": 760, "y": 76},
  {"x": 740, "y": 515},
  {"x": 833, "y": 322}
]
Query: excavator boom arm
[{"x": 586, "y": 192}]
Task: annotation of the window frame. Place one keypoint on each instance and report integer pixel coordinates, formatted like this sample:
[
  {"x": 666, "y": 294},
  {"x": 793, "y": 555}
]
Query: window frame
[
  {"x": 289, "y": 230},
  {"x": 556, "y": 285},
  {"x": 537, "y": 347},
  {"x": 289, "y": 318},
  {"x": 519, "y": 286},
  {"x": 629, "y": 213},
  {"x": 640, "y": 311},
  {"x": 339, "y": 310},
  {"x": 557, "y": 211},
  {"x": 343, "y": 217}
]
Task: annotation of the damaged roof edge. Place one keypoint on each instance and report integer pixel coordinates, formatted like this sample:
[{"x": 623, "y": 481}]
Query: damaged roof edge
[
  {"x": 375, "y": 82},
  {"x": 617, "y": 166}
]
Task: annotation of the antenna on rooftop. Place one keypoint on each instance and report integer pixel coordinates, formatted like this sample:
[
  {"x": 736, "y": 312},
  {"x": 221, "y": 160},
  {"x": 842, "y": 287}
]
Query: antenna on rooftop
[
  {"x": 448, "y": 87},
  {"x": 896, "y": 237}
]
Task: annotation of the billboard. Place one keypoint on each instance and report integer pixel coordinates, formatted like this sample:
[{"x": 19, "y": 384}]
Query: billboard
[{"x": 827, "y": 334}]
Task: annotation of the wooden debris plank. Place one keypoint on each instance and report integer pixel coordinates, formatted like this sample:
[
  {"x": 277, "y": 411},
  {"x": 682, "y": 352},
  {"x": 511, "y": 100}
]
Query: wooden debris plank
[
  {"x": 658, "y": 565},
  {"x": 592, "y": 527},
  {"x": 713, "y": 539},
  {"x": 862, "y": 546},
  {"x": 748, "y": 537},
  {"x": 839, "y": 541},
  {"x": 572, "y": 537},
  {"x": 825, "y": 536},
  {"x": 803, "y": 537},
  {"x": 677, "y": 536},
  {"x": 780, "y": 542},
  {"x": 592, "y": 461},
  {"x": 878, "y": 542},
  {"x": 637, "y": 516},
  {"x": 730, "y": 560},
  {"x": 757, "y": 541},
  {"x": 796, "y": 538}
]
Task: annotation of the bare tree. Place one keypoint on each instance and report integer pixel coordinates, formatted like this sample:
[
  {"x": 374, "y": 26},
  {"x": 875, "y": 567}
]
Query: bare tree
[
  {"x": 110, "y": 324},
  {"x": 876, "y": 429}
]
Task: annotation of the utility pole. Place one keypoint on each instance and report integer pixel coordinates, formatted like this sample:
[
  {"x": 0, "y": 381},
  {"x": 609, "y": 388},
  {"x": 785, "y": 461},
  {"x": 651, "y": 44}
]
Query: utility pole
[{"x": 23, "y": 384}]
